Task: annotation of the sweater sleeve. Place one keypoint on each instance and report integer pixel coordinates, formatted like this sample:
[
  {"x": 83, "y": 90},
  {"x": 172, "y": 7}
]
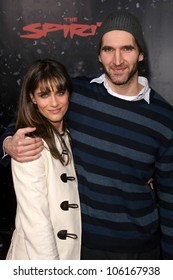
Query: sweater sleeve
[
  {"x": 5, "y": 160},
  {"x": 164, "y": 182}
]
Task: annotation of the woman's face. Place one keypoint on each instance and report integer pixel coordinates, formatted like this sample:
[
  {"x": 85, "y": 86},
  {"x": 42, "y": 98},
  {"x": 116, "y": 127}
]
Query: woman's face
[{"x": 52, "y": 104}]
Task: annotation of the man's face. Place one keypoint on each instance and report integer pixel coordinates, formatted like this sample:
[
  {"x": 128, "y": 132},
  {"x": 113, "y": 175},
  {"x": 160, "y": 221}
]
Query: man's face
[{"x": 119, "y": 55}]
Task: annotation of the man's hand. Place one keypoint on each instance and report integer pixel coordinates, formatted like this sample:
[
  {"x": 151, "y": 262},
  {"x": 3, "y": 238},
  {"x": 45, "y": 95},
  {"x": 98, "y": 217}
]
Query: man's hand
[{"x": 22, "y": 148}]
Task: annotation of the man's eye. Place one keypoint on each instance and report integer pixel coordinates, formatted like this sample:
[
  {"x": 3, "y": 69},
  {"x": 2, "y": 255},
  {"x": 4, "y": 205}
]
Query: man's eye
[
  {"x": 107, "y": 49},
  {"x": 128, "y": 48}
]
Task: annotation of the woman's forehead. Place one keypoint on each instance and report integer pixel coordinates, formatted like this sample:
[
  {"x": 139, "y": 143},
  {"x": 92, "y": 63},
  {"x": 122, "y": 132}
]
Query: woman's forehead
[{"x": 49, "y": 83}]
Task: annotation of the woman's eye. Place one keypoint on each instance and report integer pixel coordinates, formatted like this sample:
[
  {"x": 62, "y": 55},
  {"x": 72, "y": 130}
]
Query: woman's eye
[
  {"x": 43, "y": 94},
  {"x": 60, "y": 93}
]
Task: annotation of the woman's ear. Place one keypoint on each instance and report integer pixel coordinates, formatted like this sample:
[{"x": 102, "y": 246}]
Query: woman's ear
[{"x": 32, "y": 98}]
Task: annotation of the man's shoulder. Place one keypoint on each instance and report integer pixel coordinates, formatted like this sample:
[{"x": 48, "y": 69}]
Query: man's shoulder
[
  {"x": 160, "y": 100},
  {"x": 84, "y": 85},
  {"x": 82, "y": 80}
]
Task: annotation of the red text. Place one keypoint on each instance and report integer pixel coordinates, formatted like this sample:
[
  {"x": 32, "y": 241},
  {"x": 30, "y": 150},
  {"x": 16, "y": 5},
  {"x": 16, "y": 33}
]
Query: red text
[{"x": 38, "y": 30}]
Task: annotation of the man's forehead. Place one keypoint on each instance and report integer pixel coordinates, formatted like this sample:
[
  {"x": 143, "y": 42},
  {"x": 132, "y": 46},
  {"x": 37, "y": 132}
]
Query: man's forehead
[{"x": 118, "y": 36}]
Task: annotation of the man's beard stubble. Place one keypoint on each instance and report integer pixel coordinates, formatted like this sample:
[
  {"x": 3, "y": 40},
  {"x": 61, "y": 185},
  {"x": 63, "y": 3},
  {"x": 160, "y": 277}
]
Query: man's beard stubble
[{"x": 127, "y": 80}]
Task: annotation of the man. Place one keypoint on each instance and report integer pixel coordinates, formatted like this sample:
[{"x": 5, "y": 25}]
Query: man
[{"x": 122, "y": 135}]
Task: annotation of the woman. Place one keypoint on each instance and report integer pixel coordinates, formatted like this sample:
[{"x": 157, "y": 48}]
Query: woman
[{"x": 48, "y": 219}]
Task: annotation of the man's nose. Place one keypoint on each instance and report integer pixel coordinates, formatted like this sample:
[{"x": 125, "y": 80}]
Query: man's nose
[{"x": 117, "y": 58}]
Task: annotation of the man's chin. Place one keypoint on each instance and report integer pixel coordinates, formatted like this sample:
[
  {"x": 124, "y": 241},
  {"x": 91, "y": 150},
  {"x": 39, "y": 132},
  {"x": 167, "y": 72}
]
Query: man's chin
[{"x": 119, "y": 82}]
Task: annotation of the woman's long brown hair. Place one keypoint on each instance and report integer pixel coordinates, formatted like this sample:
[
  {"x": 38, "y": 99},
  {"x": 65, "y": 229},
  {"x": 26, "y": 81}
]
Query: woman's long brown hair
[{"x": 47, "y": 73}]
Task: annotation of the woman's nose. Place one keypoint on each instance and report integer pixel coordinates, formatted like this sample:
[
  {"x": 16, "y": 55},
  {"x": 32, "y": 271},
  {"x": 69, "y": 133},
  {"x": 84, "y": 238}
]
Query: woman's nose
[{"x": 54, "y": 100}]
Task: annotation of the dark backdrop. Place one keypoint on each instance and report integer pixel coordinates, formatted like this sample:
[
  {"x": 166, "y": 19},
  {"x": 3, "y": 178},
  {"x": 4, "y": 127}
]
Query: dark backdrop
[{"x": 65, "y": 30}]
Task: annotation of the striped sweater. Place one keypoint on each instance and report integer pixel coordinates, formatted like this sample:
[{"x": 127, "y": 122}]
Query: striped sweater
[{"x": 118, "y": 146}]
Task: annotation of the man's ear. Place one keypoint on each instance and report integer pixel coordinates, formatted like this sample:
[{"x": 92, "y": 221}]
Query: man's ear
[
  {"x": 99, "y": 59},
  {"x": 141, "y": 57}
]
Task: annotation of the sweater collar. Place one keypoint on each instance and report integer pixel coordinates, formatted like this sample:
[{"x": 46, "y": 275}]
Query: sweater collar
[{"x": 143, "y": 94}]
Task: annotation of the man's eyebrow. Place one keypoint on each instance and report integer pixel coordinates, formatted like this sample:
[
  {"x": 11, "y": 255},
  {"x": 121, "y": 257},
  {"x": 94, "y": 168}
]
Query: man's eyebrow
[
  {"x": 123, "y": 46},
  {"x": 107, "y": 47}
]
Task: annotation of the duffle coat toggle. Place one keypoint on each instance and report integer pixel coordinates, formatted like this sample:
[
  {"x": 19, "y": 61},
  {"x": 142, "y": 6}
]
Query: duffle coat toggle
[
  {"x": 65, "y": 205},
  {"x": 63, "y": 234},
  {"x": 64, "y": 177},
  {"x": 64, "y": 152}
]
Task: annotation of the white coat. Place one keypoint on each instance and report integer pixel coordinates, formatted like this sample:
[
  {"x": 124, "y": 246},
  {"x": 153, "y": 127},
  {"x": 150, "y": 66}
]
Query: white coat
[{"x": 48, "y": 217}]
